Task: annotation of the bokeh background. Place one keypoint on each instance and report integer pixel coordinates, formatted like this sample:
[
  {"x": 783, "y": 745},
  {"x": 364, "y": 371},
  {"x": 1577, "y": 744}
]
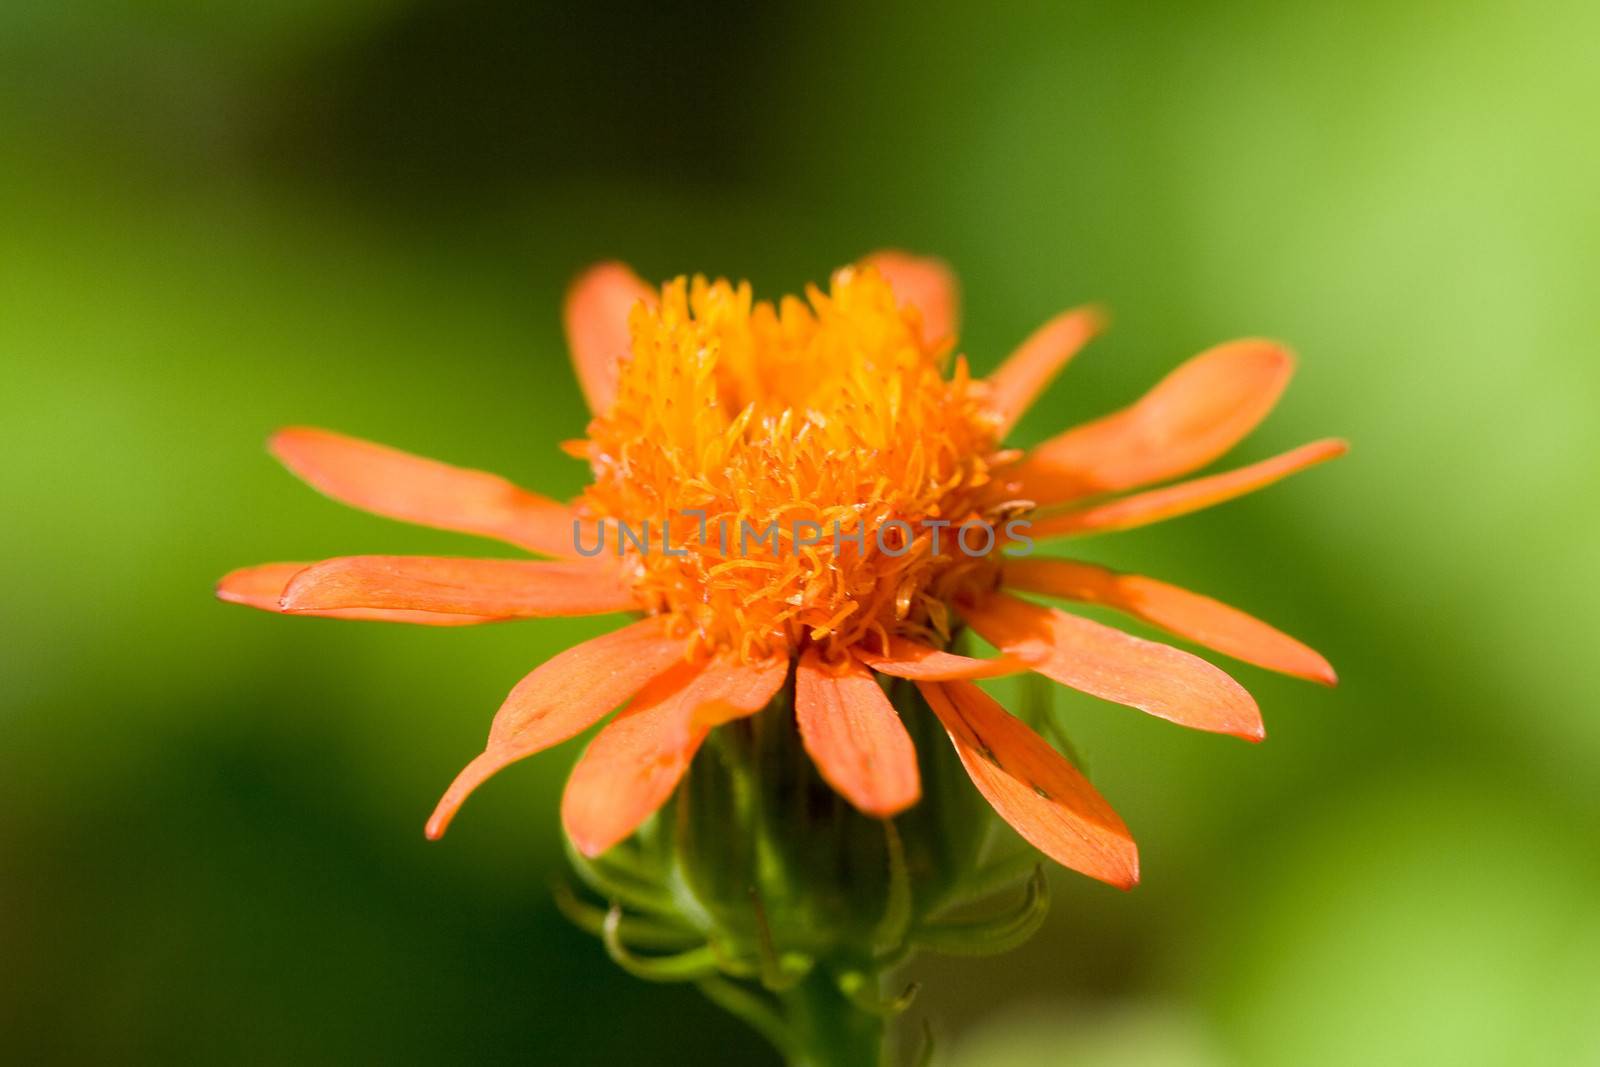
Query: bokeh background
[{"x": 216, "y": 219}]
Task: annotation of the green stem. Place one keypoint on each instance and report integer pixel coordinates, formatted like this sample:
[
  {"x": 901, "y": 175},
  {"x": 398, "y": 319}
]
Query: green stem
[{"x": 828, "y": 1028}]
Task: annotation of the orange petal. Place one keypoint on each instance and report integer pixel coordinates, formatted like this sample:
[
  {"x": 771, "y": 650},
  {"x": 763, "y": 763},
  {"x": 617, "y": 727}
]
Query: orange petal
[
  {"x": 412, "y": 489},
  {"x": 925, "y": 284},
  {"x": 911, "y": 659},
  {"x": 1200, "y": 619},
  {"x": 1170, "y": 501},
  {"x": 1190, "y": 418},
  {"x": 503, "y": 588},
  {"x": 1033, "y": 787},
  {"x": 635, "y": 762},
  {"x": 596, "y": 319},
  {"x": 855, "y": 736},
  {"x": 562, "y": 698},
  {"x": 1018, "y": 381},
  {"x": 737, "y": 690},
  {"x": 1115, "y": 666},
  {"x": 262, "y": 587}
]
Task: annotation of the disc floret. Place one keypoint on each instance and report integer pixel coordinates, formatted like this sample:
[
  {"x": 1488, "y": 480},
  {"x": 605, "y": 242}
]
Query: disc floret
[{"x": 810, "y": 464}]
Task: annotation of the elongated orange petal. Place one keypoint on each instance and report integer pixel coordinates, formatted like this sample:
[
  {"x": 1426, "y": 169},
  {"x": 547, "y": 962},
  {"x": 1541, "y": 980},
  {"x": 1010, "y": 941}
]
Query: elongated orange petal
[
  {"x": 635, "y": 762},
  {"x": 1033, "y": 787},
  {"x": 737, "y": 690},
  {"x": 911, "y": 659},
  {"x": 1190, "y": 418},
  {"x": 504, "y": 588},
  {"x": 562, "y": 698},
  {"x": 1199, "y": 618},
  {"x": 925, "y": 284},
  {"x": 855, "y": 736},
  {"x": 1018, "y": 381},
  {"x": 1115, "y": 666},
  {"x": 262, "y": 587},
  {"x": 1171, "y": 501},
  {"x": 401, "y": 486},
  {"x": 596, "y": 318}
]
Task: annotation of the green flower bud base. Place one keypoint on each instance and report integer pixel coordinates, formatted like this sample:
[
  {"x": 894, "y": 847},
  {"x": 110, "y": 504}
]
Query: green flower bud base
[{"x": 786, "y": 906}]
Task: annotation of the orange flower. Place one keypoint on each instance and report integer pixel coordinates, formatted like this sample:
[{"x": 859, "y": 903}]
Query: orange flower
[{"x": 829, "y": 430}]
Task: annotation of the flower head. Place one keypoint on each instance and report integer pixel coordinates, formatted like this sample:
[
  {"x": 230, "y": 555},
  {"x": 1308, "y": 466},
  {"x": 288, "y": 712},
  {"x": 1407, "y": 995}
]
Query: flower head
[
  {"x": 810, "y": 469},
  {"x": 739, "y": 422}
]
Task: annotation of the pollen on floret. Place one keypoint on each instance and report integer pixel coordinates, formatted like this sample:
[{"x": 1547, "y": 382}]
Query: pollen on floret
[{"x": 734, "y": 414}]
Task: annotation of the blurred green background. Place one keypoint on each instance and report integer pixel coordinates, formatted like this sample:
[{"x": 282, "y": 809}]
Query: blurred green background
[{"x": 216, "y": 219}]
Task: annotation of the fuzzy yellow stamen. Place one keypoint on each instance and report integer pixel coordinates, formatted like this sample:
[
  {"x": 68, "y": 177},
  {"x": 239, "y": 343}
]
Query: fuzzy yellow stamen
[{"x": 826, "y": 419}]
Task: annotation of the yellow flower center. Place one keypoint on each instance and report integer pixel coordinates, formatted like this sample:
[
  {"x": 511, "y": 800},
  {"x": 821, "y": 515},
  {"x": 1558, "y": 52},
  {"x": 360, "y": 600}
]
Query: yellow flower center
[{"x": 801, "y": 459}]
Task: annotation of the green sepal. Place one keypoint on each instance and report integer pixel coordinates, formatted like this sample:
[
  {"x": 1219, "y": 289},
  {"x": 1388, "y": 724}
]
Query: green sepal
[
  {"x": 860, "y": 987},
  {"x": 690, "y": 966},
  {"x": 992, "y": 935},
  {"x": 634, "y": 930}
]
